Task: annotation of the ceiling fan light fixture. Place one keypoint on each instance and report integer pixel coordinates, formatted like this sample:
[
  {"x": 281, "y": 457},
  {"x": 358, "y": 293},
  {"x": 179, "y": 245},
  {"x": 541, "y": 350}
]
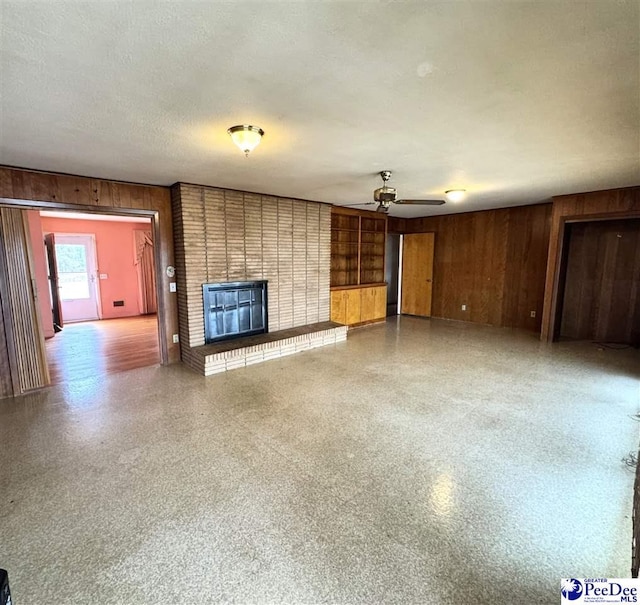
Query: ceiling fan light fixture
[
  {"x": 246, "y": 137},
  {"x": 455, "y": 195}
]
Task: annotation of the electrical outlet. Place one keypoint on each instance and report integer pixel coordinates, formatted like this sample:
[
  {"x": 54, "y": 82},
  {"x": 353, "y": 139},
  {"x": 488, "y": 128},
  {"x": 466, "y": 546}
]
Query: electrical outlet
[
  {"x": 176, "y": 338},
  {"x": 172, "y": 286},
  {"x": 464, "y": 307},
  {"x": 533, "y": 313}
]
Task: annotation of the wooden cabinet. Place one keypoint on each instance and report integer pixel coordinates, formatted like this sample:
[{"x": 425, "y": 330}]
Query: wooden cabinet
[
  {"x": 359, "y": 305},
  {"x": 357, "y": 247},
  {"x": 345, "y": 306},
  {"x": 373, "y": 303},
  {"x": 358, "y": 291}
]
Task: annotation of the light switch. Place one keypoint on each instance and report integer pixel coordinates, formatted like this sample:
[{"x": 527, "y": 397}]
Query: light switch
[{"x": 172, "y": 286}]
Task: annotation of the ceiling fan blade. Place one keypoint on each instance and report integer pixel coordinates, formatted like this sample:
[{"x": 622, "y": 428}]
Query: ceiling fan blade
[
  {"x": 421, "y": 202},
  {"x": 360, "y": 204}
]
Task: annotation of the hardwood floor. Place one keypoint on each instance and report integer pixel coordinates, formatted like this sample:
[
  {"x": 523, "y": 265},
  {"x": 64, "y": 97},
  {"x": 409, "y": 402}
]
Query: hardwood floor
[{"x": 90, "y": 348}]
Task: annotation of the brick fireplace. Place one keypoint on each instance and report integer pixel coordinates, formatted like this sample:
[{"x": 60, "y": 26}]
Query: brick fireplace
[{"x": 232, "y": 236}]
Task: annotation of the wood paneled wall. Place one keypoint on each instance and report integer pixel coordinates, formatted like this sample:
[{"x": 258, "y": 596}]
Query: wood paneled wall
[
  {"x": 223, "y": 235},
  {"x": 397, "y": 225},
  {"x": 608, "y": 204},
  {"x": 602, "y": 291},
  {"x": 28, "y": 342},
  {"x": 27, "y": 188},
  {"x": 8, "y": 377},
  {"x": 492, "y": 261}
]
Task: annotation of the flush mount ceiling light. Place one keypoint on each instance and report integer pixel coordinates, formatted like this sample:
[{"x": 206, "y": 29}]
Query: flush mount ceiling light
[
  {"x": 246, "y": 137},
  {"x": 455, "y": 195}
]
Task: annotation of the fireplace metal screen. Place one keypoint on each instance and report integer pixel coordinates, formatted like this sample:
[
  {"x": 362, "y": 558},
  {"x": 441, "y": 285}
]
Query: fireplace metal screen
[{"x": 234, "y": 309}]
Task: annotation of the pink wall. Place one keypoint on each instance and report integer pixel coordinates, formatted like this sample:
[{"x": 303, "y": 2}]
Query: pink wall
[
  {"x": 40, "y": 267},
  {"x": 115, "y": 249}
]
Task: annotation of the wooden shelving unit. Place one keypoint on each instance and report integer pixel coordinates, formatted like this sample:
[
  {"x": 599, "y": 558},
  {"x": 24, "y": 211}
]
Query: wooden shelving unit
[
  {"x": 358, "y": 290},
  {"x": 372, "y": 238},
  {"x": 357, "y": 247},
  {"x": 345, "y": 249}
]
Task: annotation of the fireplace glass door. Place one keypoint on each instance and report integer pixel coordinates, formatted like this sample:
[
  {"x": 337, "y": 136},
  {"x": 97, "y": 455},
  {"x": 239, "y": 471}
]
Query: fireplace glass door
[{"x": 235, "y": 309}]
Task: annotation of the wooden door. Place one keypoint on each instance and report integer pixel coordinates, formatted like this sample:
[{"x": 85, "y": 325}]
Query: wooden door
[
  {"x": 52, "y": 270},
  {"x": 417, "y": 274}
]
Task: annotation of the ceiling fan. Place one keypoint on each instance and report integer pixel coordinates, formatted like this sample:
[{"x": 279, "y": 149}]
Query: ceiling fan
[{"x": 385, "y": 196}]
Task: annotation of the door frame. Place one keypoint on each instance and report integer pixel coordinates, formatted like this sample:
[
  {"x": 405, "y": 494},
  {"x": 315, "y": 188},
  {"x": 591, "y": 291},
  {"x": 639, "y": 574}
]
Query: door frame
[
  {"x": 550, "y": 329},
  {"x": 96, "y": 289},
  {"x": 115, "y": 211},
  {"x": 388, "y": 269},
  {"x": 400, "y": 285}
]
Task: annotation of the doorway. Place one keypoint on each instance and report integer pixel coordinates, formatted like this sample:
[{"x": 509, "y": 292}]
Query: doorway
[
  {"x": 391, "y": 272},
  {"x": 102, "y": 269},
  {"x": 75, "y": 274},
  {"x": 600, "y": 300}
]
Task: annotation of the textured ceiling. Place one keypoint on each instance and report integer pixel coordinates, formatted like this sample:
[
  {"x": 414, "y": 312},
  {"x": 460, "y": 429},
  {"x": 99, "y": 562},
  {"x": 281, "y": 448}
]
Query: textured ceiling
[{"x": 514, "y": 101}]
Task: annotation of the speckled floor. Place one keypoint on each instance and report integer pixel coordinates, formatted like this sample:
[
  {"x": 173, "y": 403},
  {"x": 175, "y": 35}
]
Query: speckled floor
[{"x": 422, "y": 462}]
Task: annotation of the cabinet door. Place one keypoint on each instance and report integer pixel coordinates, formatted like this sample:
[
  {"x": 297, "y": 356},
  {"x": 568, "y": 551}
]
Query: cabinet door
[
  {"x": 380, "y": 307},
  {"x": 338, "y": 307},
  {"x": 353, "y": 306},
  {"x": 367, "y": 304}
]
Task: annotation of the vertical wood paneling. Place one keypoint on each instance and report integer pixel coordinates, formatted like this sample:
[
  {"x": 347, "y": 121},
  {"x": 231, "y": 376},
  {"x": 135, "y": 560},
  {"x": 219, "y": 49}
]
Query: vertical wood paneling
[
  {"x": 601, "y": 298},
  {"x": 497, "y": 277},
  {"x": 396, "y": 225},
  {"x": 6, "y": 382},
  {"x": 491, "y": 261},
  {"x": 31, "y": 365},
  {"x": 525, "y": 265},
  {"x": 596, "y": 205},
  {"x": 239, "y": 236}
]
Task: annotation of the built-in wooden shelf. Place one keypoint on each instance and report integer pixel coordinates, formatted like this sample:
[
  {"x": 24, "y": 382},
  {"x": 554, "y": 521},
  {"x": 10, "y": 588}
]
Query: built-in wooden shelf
[
  {"x": 357, "y": 247},
  {"x": 358, "y": 289}
]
